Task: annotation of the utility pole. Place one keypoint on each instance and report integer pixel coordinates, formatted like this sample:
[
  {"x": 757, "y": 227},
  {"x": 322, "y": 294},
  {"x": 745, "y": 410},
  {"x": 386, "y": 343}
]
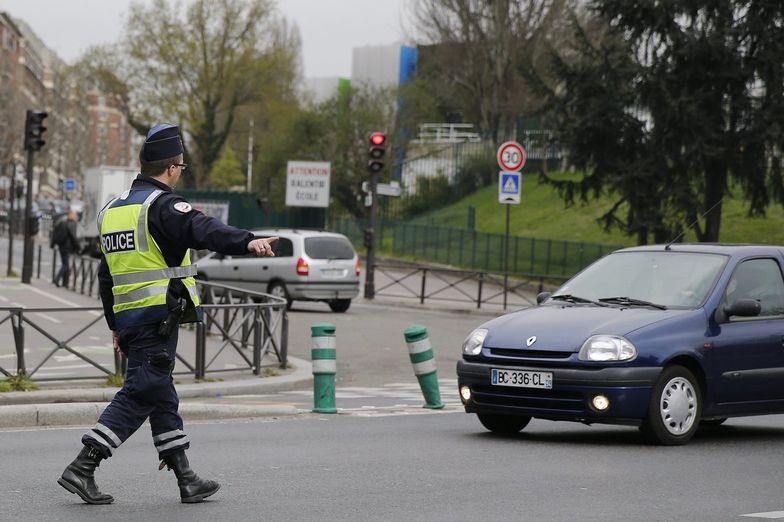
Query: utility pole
[
  {"x": 250, "y": 155},
  {"x": 375, "y": 164},
  {"x": 34, "y": 130},
  {"x": 11, "y": 223}
]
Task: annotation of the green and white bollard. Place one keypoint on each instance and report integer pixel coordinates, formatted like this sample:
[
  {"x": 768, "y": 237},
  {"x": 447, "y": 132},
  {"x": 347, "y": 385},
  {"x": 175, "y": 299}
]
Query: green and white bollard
[
  {"x": 421, "y": 354},
  {"x": 324, "y": 367}
]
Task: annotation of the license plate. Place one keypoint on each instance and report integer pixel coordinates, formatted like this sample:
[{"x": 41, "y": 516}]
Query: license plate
[
  {"x": 333, "y": 273},
  {"x": 521, "y": 378}
]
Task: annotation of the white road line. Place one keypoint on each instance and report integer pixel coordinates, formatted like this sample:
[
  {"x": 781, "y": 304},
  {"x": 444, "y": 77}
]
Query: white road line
[
  {"x": 48, "y": 317},
  {"x": 59, "y": 299},
  {"x": 768, "y": 515},
  {"x": 56, "y": 367},
  {"x": 3, "y": 299}
]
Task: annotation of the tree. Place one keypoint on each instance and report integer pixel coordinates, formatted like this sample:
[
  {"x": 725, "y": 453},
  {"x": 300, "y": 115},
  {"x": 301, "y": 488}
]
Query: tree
[
  {"x": 337, "y": 131},
  {"x": 671, "y": 104},
  {"x": 227, "y": 171},
  {"x": 477, "y": 48},
  {"x": 198, "y": 67}
]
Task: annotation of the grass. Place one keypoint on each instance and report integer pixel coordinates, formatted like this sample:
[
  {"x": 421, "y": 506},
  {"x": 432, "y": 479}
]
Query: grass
[
  {"x": 269, "y": 372},
  {"x": 115, "y": 380},
  {"x": 543, "y": 214},
  {"x": 18, "y": 382}
]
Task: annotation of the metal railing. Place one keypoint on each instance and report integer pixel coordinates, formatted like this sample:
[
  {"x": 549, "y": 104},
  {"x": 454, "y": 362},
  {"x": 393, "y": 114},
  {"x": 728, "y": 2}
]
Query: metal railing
[
  {"x": 250, "y": 325},
  {"x": 477, "y": 251},
  {"x": 458, "y": 286}
]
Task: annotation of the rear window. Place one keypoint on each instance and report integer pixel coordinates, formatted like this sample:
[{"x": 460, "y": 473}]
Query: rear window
[{"x": 328, "y": 248}]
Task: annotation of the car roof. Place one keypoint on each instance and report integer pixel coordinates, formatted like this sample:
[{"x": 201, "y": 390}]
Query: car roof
[
  {"x": 728, "y": 249},
  {"x": 294, "y": 232}
]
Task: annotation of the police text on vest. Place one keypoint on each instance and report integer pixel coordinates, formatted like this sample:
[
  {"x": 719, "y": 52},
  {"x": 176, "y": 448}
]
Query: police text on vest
[{"x": 122, "y": 241}]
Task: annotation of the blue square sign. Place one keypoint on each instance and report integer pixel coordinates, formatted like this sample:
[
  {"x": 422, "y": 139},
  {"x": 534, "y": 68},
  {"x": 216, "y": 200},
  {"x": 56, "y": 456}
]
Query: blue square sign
[
  {"x": 69, "y": 185},
  {"x": 509, "y": 187}
]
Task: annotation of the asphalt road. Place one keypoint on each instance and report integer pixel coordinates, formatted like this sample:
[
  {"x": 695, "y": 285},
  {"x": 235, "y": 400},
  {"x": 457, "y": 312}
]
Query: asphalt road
[{"x": 431, "y": 466}]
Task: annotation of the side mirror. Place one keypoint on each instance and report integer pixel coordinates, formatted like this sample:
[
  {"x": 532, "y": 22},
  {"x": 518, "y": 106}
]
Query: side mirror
[
  {"x": 542, "y": 297},
  {"x": 740, "y": 308},
  {"x": 220, "y": 256}
]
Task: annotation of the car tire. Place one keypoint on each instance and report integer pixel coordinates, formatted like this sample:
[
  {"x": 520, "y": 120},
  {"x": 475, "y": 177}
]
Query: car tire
[
  {"x": 505, "y": 424},
  {"x": 339, "y": 305},
  {"x": 278, "y": 289},
  {"x": 713, "y": 422},
  {"x": 674, "y": 409}
]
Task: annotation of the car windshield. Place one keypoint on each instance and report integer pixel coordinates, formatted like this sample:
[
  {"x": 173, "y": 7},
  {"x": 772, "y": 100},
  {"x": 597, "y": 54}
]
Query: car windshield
[
  {"x": 328, "y": 248},
  {"x": 660, "y": 279}
]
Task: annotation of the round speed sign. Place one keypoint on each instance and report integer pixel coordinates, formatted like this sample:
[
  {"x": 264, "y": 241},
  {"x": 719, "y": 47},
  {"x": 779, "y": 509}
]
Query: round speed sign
[{"x": 511, "y": 156}]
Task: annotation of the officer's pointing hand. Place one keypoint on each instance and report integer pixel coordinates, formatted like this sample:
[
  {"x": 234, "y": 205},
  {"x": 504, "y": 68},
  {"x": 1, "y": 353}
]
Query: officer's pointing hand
[{"x": 262, "y": 246}]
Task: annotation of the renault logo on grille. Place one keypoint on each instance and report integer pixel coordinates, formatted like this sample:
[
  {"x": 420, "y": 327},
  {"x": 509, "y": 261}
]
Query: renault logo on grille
[{"x": 531, "y": 340}]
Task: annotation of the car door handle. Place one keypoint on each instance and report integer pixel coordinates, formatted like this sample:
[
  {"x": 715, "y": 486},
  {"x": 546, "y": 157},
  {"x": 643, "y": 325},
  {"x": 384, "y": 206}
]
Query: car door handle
[
  {"x": 236, "y": 268},
  {"x": 266, "y": 267}
]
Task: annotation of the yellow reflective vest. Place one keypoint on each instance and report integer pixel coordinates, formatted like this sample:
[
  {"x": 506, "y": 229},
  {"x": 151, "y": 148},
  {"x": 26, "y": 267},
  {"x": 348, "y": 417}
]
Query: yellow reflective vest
[{"x": 139, "y": 271}]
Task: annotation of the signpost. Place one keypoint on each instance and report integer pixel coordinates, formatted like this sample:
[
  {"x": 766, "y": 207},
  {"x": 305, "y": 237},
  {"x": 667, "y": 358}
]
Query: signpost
[
  {"x": 511, "y": 159},
  {"x": 69, "y": 185}
]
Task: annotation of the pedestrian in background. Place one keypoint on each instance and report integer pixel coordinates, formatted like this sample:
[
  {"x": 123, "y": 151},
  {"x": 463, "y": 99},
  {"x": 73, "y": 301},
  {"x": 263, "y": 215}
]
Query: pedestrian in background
[
  {"x": 147, "y": 288},
  {"x": 64, "y": 238}
]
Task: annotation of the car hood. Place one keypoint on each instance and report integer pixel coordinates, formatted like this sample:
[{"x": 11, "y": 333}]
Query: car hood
[{"x": 565, "y": 328}]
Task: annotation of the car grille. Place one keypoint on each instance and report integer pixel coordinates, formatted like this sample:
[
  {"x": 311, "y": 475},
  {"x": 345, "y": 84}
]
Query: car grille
[
  {"x": 530, "y": 354},
  {"x": 565, "y": 401}
]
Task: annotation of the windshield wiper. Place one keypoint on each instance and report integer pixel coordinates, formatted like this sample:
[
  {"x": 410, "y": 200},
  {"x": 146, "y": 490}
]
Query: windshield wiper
[
  {"x": 631, "y": 302},
  {"x": 569, "y": 298}
]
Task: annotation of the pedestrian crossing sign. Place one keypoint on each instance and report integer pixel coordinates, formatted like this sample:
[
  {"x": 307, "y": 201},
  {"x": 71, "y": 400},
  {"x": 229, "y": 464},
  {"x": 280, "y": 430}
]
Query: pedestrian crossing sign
[{"x": 509, "y": 187}]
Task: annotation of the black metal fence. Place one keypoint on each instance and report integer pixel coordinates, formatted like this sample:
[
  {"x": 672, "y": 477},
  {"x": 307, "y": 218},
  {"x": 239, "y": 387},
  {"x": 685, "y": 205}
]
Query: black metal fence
[
  {"x": 240, "y": 326},
  {"x": 479, "y": 251}
]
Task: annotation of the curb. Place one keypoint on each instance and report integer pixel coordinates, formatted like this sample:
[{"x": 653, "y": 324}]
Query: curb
[
  {"x": 302, "y": 374},
  {"x": 86, "y": 413}
]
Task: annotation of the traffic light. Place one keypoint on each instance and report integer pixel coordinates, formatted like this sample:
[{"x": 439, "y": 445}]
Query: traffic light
[
  {"x": 34, "y": 130},
  {"x": 376, "y": 151}
]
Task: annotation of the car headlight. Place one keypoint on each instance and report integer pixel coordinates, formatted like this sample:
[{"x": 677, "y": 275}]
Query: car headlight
[
  {"x": 607, "y": 348},
  {"x": 473, "y": 343}
]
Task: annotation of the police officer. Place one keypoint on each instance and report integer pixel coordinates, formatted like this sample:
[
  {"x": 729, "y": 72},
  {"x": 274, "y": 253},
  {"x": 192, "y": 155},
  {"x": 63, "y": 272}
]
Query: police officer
[{"x": 147, "y": 288}]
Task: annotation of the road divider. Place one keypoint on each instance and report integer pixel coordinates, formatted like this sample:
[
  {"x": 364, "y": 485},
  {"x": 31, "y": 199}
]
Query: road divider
[
  {"x": 420, "y": 352},
  {"x": 324, "y": 367}
]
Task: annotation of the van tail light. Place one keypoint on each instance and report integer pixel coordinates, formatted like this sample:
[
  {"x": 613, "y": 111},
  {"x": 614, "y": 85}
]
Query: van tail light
[
  {"x": 302, "y": 267},
  {"x": 358, "y": 270}
]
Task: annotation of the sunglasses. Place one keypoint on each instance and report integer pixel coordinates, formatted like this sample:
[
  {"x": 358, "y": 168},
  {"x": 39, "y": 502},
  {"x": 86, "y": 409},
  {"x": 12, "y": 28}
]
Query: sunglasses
[{"x": 183, "y": 166}]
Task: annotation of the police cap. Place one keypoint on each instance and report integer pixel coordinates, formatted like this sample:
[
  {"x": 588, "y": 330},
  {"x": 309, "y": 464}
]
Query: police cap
[{"x": 162, "y": 142}]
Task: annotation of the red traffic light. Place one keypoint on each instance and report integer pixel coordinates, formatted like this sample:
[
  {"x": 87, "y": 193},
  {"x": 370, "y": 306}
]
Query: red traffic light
[{"x": 377, "y": 138}]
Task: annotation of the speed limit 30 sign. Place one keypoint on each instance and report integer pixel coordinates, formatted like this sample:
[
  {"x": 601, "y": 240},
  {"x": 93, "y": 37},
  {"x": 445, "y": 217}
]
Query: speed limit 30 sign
[{"x": 511, "y": 156}]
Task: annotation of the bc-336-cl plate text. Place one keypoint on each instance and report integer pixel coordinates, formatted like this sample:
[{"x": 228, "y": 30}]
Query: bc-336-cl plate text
[{"x": 521, "y": 378}]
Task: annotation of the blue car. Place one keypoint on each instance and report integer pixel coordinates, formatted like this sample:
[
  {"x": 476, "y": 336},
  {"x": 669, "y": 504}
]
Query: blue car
[{"x": 663, "y": 337}]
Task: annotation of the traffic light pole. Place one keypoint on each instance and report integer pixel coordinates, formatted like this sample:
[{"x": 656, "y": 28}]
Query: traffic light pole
[
  {"x": 27, "y": 263},
  {"x": 11, "y": 223},
  {"x": 370, "y": 261}
]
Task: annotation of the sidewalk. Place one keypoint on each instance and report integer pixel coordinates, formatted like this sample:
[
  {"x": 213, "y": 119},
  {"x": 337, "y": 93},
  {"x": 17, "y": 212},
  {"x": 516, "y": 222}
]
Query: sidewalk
[{"x": 82, "y": 406}]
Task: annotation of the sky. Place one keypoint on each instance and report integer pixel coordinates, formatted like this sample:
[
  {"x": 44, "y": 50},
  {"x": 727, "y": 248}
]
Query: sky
[{"x": 329, "y": 28}]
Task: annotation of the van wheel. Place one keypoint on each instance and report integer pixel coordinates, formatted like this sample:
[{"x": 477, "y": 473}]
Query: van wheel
[
  {"x": 339, "y": 305},
  {"x": 675, "y": 408},
  {"x": 278, "y": 289}
]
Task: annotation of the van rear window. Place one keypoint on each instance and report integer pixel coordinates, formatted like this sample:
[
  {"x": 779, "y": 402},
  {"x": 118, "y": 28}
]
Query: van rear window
[{"x": 328, "y": 248}]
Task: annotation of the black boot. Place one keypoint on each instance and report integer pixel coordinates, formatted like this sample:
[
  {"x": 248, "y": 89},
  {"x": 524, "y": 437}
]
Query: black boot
[
  {"x": 192, "y": 488},
  {"x": 79, "y": 477}
]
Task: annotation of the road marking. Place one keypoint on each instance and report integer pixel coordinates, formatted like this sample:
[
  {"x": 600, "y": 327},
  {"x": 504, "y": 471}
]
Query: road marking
[
  {"x": 48, "y": 317},
  {"x": 769, "y": 515},
  {"x": 60, "y": 299},
  {"x": 3, "y": 299}
]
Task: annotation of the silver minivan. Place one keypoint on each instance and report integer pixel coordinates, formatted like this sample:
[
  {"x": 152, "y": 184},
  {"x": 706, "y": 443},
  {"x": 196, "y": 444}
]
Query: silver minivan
[{"x": 308, "y": 266}]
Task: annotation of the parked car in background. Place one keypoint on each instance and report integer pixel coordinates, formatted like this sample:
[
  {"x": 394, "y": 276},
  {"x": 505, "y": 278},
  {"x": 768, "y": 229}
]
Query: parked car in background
[
  {"x": 662, "y": 337},
  {"x": 308, "y": 266}
]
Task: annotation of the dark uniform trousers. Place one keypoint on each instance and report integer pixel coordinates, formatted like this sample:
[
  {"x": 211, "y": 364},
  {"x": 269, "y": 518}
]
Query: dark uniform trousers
[{"x": 148, "y": 392}]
